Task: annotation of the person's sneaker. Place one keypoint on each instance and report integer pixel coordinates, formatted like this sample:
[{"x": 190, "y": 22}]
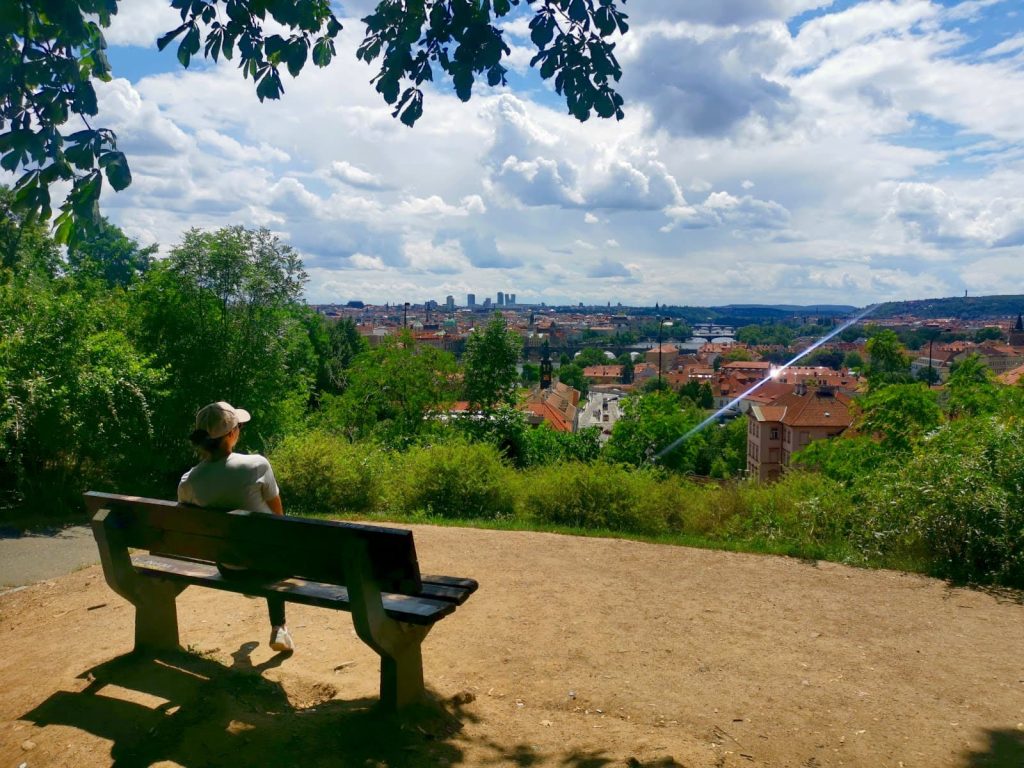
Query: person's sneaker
[{"x": 280, "y": 640}]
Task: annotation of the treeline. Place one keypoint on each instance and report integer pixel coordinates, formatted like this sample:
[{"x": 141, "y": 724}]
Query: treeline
[
  {"x": 106, "y": 353},
  {"x": 960, "y": 307}
]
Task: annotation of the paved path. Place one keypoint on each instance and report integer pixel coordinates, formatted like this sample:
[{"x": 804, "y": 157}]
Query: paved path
[{"x": 38, "y": 557}]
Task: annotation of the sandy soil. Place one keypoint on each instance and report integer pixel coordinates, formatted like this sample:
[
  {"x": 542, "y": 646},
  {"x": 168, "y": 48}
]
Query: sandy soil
[{"x": 574, "y": 652}]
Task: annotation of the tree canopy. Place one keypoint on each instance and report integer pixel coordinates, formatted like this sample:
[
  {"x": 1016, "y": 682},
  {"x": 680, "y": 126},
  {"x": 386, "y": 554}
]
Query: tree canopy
[
  {"x": 490, "y": 365},
  {"x": 52, "y": 52}
]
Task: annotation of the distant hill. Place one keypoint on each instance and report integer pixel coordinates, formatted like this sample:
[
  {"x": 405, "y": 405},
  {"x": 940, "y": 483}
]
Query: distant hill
[
  {"x": 960, "y": 308},
  {"x": 745, "y": 314},
  {"x": 791, "y": 309}
]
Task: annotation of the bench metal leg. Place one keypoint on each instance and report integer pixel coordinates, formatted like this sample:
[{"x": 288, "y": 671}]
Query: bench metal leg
[
  {"x": 401, "y": 677},
  {"x": 156, "y": 617}
]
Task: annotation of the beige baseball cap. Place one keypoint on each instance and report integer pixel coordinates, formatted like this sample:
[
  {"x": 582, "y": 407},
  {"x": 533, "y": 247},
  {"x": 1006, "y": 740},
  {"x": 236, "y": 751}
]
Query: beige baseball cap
[{"x": 217, "y": 419}]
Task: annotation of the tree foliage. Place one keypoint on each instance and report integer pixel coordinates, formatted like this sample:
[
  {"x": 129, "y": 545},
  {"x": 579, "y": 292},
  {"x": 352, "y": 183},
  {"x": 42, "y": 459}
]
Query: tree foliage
[
  {"x": 53, "y": 51},
  {"x": 392, "y": 392},
  {"x": 78, "y": 399},
  {"x": 887, "y": 362},
  {"x": 106, "y": 253},
  {"x": 572, "y": 375},
  {"x": 489, "y": 365},
  {"x": 591, "y": 356},
  {"x": 972, "y": 388},
  {"x": 335, "y": 345},
  {"x": 900, "y": 413},
  {"x": 222, "y": 312},
  {"x": 649, "y": 424}
]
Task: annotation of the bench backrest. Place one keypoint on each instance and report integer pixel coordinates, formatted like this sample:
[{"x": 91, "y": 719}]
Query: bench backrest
[{"x": 286, "y": 546}]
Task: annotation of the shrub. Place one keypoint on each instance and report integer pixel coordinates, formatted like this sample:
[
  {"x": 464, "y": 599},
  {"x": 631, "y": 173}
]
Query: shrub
[
  {"x": 601, "y": 496},
  {"x": 321, "y": 473},
  {"x": 957, "y": 504},
  {"x": 806, "y": 511},
  {"x": 453, "y": 480}
]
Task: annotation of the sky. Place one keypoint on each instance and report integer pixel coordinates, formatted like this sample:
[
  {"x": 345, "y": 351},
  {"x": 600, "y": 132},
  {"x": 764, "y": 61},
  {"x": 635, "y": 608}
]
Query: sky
[{"x": 773, "y": 151}]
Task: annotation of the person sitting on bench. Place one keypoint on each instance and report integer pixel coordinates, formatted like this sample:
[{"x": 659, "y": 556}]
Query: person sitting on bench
[{"x": 227, "y": 480}]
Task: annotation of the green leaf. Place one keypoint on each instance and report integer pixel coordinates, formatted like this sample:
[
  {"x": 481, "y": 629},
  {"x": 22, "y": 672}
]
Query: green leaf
[
  {"x": 323, "y": 51},
  {"x": 387, "y": 86},
  {"x": 410, "y": 109},
  {"x": 270, "y": 86},
  {"x": 189, "y": 46},
  {"x": 296, "y": 55},
  {"x": 578, "y": 11},
  {"x": 65, "y": 224},
  {"x": 116, "y": 166},
  {"x": 164, "y": 40},
  {"x": 542, "y": 30},
  {"x": 462, "y": 78}
]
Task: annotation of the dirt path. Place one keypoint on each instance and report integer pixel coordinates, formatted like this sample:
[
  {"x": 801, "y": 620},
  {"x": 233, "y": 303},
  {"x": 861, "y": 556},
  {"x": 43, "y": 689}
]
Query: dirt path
[{"x": 575, "y": 652}]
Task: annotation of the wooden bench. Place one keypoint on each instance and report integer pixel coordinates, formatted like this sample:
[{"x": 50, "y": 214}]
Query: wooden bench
[{"x": 368, "y": 570}]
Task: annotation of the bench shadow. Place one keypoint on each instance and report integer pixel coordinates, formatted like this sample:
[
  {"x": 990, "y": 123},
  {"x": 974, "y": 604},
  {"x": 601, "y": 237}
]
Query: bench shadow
[
  {"x": 1005, "y": 749},
  {"x": 195, "y": 711}
]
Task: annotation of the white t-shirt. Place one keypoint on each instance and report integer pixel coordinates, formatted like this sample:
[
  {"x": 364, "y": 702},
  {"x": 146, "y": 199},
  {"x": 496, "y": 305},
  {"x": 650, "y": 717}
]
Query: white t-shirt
[{"x": 237, "y": 481}]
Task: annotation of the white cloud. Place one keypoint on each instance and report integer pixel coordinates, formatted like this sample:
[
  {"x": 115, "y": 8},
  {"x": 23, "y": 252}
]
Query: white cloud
[
  {"x": 353, "y": 175},
  {"x": 886, "y": 144},
  {"x": 141, "y": 22},
  {"x": 932, "y": 215},
  {"x": 720, "y": 209},
  {"x": 362, "y": 261}
]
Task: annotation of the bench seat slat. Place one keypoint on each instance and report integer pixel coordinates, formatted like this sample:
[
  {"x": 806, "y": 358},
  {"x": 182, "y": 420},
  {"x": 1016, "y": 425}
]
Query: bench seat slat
[
  {"x": 448, "y": 588},
  {"x": 405, "y": 608}
]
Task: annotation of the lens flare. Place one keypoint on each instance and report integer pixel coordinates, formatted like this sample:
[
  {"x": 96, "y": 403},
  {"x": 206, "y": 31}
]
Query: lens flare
[{"x": 714, "y": 416}]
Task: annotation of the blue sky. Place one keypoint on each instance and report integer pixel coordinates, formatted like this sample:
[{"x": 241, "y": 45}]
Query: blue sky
[{"x": 787, "y": 151}]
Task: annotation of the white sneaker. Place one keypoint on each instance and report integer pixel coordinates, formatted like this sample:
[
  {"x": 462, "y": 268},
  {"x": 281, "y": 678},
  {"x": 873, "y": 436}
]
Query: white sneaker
[{"x": 280, "y": 640}]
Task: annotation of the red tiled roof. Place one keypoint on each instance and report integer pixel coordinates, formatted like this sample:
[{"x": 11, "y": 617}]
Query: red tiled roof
[
  {"x": 767, "y": 412},
  {"x": 552, "y": 416},
  {"x": 1012, "y": 377},
  {"x": 769, "y": 392},
  {"x": 750, "y": 365},
  {"x": 602, "y": 371}
]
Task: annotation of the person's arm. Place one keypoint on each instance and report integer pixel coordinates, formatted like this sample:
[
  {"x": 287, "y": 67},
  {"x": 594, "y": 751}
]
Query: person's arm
[{"x": 275, "y": 505}]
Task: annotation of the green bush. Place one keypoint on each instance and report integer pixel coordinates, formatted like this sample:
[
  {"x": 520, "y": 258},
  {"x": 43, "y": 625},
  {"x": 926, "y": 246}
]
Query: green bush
[
  {"x": 807, "y": 512},
  {"x": 602, "y": 496},
  {"x": 321, "y": 473},
  {"x": 454, "y": 479},
  {"x": 957, "y": 504}
]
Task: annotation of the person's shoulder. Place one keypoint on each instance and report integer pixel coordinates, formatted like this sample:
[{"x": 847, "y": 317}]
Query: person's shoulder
[{"x": 254, "y": 460}]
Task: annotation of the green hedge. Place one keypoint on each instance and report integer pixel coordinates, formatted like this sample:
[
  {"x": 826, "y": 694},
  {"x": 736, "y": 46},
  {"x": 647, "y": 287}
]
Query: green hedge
[
  {"x": 320, "y": 473},
  {"x": 601, "y": 496},
  {"x": 454, "y": 479}
]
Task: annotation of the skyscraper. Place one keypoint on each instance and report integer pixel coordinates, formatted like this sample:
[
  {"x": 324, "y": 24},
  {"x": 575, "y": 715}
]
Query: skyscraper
[
  {"x": 449, "y": 303},
  {"x": 470, "y": 300},
  {"x": 510, "y": 300},
  {"x": 501, "y": 299}
]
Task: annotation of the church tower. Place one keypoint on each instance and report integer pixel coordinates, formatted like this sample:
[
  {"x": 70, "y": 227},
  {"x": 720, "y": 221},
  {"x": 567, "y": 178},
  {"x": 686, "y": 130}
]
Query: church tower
[
  {"x": 545, "y": 367},
  {"x": 1017, "y": 334}
]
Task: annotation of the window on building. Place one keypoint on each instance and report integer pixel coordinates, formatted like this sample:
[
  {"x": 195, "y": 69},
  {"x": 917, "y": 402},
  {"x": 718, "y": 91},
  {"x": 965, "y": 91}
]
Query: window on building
[{"x": 774, "y": 435}]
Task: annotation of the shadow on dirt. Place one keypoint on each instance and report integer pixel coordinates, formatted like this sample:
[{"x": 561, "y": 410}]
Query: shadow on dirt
[
  {"x": 1005, "y": 749},
  {"x": 197, "y": 712}
]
